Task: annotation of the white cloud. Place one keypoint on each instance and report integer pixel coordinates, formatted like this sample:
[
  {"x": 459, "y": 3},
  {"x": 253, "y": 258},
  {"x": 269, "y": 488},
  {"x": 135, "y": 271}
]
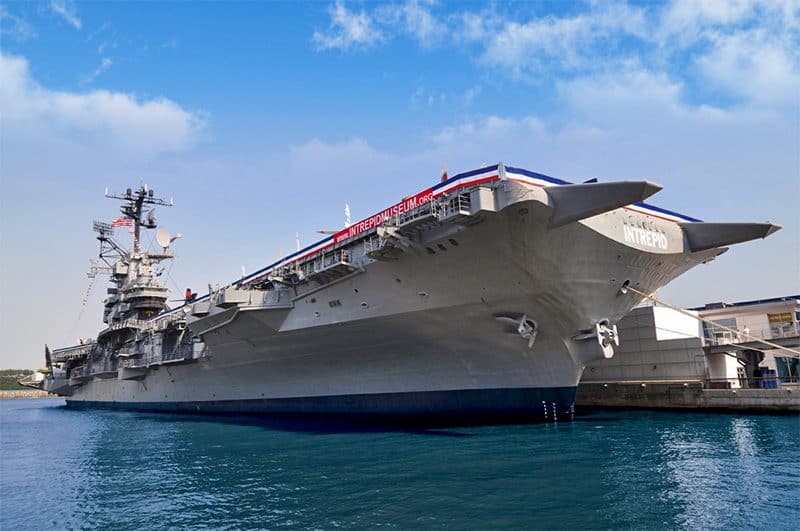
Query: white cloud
[
  {"x": 66, "y": 10},
  {"x": 474, "y": 26},
  {"x": 687, "y": 19},
  {"x": 629, "y": 89},
  {"x": 753, "y": 64},
  {"x": 14, "y": 26},
  {"x": 347, "y": 30},
  {"x": 745, "y": 50},
  {"x": 423, "y": 97},
  {"x": 416, "y": 19},
  {"x": 351, "y": 30},
  {"x": 105, "y": 26},
  {"x": 105, "y": 64},
  {"x": 567, "y": 42},
  {"x": 36, "y": 118},
  {"x": 472, "y": 93},
  {"x": 479, "y": 131}
]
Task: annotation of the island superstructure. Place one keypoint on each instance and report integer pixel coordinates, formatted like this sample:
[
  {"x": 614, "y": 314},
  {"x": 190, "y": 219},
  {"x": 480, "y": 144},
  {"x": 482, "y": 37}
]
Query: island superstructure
[{"x": 480, "y": 298}]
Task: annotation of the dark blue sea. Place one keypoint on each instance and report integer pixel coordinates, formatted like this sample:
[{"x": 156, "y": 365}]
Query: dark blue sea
[{"x": 64, "y": 469}]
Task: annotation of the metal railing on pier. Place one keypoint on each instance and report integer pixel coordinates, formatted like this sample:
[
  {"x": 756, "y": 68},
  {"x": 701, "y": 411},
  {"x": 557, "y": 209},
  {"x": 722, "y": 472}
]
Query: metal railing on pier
[
  {"x": 761, "y": 382},
  {"x": 716, "y": 336}
]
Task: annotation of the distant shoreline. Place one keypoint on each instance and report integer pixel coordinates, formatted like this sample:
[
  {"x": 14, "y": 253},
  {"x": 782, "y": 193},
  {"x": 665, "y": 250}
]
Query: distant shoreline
[{"x": 33, "y": 393}]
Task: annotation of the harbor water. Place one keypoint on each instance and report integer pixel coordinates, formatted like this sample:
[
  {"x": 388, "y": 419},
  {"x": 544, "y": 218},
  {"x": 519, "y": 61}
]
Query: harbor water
[{"x": 64, "y": 469}]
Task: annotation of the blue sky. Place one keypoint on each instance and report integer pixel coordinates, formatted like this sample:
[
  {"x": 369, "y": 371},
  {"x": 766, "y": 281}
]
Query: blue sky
[{"x": 263, "y": 119}]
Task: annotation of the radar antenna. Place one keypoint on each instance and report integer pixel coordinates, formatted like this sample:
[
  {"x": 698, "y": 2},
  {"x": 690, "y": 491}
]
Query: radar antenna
[
  {"x": 98, "y": 268},
  {"x": 109, "y": 249},
  {"x": 133, "y": 201}
]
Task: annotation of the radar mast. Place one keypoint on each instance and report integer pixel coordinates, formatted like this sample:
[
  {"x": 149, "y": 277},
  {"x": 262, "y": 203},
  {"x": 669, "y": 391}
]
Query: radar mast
[{"x": 136, "y": 294}]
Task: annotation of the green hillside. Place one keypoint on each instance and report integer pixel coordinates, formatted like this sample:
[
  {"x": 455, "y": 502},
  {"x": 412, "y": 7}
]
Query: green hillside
[{"x": 9, "y": 378}]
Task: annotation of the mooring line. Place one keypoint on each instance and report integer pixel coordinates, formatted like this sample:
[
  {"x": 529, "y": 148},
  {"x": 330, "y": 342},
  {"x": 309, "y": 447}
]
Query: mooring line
[{"x": 794, "y": 353}]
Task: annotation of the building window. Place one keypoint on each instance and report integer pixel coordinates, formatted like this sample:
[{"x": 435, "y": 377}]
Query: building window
[
  {"x": 778, "y": 319},
  {"x": 781, "y": 324},
  {"x": 719, "y": 335}
]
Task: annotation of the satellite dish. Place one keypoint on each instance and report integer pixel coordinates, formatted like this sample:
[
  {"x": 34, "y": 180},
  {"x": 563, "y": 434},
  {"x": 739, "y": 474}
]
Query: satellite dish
[{"x": 163, "y": 237}]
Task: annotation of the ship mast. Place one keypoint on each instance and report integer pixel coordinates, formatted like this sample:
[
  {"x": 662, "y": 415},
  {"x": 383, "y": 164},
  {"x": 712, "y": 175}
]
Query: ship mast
[
  {"x": 137, "y": 293},
  {"x": 132, "y": 208}
]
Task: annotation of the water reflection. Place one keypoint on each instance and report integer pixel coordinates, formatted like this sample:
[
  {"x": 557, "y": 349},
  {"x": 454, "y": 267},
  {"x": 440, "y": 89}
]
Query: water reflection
[
  {"x": 742, "y": 434},
  {"x": 721, "y": 477}
]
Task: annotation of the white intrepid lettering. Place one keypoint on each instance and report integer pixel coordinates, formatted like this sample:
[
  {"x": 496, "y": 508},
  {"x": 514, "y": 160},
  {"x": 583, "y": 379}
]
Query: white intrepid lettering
[{"x": 648, "y": 238}]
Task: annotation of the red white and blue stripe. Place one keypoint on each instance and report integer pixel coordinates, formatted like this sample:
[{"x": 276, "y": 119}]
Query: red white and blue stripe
[{"x": 462, "y": 180}]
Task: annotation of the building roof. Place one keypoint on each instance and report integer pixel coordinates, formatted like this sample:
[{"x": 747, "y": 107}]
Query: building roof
[{"x": 721, "y": 305}]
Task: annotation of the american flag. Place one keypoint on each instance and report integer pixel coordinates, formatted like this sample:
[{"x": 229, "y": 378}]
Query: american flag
[{"x": 122, "y": 221}]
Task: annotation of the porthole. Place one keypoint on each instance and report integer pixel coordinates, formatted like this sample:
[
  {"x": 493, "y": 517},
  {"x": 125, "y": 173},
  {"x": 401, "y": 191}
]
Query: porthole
[
  {"x": 440, "y": 246},
  {"x": 453, "y": 242},
  {"x": 430, "y": 251},
  {"x": 423, "y": 293},
  {"x": 364, "y": 305}
]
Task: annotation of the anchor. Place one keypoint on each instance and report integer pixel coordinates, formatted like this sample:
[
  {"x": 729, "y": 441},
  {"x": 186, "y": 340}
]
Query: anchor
[
  {"x": 607, "y": 337},
  {"x": 526, "y": 328}
]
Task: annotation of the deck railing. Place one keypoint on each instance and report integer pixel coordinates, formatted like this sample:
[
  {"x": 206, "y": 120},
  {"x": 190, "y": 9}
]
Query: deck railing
[
  {"x": 78, "y": 372},
  {"x": 77, "y": 351},
  {"x": 181, "y": 352},
  {"x": 458, "y": 205}
]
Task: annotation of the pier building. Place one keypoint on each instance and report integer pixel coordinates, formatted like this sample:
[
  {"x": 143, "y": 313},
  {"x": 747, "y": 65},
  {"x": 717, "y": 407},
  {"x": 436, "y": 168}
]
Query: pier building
[{"x": 721, "y": 355}]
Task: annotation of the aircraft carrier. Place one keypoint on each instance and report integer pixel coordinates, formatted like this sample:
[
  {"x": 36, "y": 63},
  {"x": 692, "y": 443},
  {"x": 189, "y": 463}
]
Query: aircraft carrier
[{"x": 479, "y": 299}]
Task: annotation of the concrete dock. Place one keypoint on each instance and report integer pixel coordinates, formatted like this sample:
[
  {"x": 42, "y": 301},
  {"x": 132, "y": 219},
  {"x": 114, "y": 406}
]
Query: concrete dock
[
  {"x": 683, "y": 360},
  {"x": 687, "y": 395}
]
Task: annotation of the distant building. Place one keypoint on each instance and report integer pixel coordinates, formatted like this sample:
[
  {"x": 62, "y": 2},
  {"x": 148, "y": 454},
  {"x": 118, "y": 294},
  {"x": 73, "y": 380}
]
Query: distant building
[
  {"x": 658, "y": 344},
  {"x": 731, "y": 355}
]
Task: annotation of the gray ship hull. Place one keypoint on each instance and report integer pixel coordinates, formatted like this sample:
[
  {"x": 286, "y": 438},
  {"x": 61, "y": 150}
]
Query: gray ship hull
[
  {"x": 424, "y": 407},
  {"x": 480, "y": 299},
  {"x": 429, "y": 334},
  {"x": 398, "y": 366}
]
